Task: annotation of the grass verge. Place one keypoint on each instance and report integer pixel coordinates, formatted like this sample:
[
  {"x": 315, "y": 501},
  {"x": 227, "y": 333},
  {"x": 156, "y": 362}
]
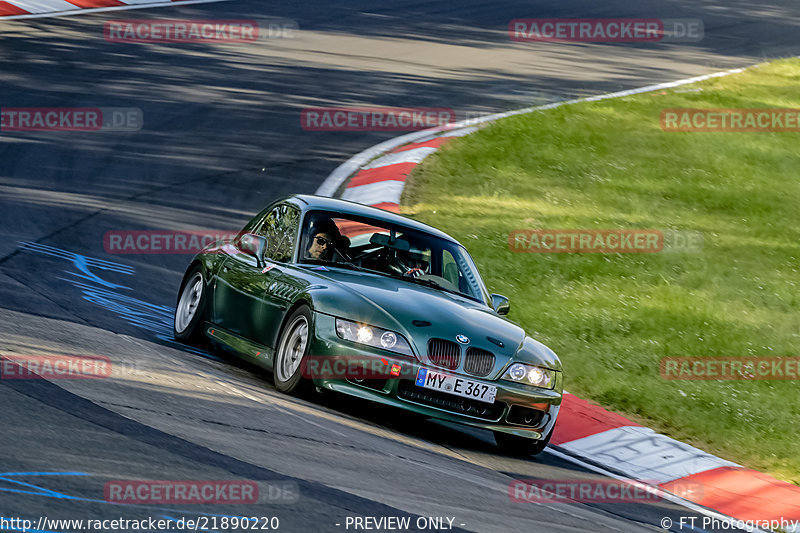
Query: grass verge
[{"x": 613, "y": 317}]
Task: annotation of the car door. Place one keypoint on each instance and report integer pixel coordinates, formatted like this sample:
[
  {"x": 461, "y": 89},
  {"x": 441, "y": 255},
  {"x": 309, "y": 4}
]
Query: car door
[{"x": 244, "y": 301}]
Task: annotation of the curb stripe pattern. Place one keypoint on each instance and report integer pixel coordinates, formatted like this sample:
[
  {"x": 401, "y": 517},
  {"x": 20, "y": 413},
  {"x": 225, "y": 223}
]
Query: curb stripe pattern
[
  {"x": 87, "y": 4},
  {"x": 398, "y": 172},
  {"x": 578, "y": 419},
  {"x": 746, "y": 494},
  {"x": 8, "y": 10},
  {"x": 25, "y": 9},
  {"x": 376, "y": 193},
  {"x": 412, "y": 155},
  {"x": 644, "y": 454},
  {"x": 377, "y": 177}
]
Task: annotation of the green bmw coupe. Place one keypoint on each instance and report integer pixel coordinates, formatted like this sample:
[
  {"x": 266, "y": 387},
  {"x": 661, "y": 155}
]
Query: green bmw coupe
[{"x": 331, "y": 294}]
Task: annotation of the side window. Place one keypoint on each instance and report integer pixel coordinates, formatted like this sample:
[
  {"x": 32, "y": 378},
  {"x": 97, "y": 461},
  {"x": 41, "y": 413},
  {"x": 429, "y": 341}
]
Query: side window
[{"x": 280, "y": 228}]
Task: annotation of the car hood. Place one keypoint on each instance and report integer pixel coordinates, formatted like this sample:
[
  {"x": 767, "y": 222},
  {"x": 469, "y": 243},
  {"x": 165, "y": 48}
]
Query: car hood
[{"x": 421, "y": 313}]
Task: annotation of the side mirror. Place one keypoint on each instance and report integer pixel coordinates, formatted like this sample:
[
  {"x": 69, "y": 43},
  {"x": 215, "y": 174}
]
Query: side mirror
[
  {"x": 254, "y": 245},
  {"x": 501, "y": 304}
]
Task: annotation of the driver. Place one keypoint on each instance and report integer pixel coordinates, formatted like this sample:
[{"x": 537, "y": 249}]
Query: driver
[
  {"x": 416, "y": 264},
  {"x": 323, "y": 237},
  {"x": 413, "y": 261}
]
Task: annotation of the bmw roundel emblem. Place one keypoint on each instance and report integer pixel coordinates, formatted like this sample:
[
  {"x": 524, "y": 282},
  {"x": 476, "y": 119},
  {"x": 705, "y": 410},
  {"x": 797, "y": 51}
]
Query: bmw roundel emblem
[{"x": 463, "y": 339}]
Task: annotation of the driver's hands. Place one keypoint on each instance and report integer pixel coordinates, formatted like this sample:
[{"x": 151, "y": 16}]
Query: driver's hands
[{"x": 414, "y": 272}]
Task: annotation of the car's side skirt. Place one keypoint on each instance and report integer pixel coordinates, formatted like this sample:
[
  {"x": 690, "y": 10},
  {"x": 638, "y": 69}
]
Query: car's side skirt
[{"x": 259, "y": 354}]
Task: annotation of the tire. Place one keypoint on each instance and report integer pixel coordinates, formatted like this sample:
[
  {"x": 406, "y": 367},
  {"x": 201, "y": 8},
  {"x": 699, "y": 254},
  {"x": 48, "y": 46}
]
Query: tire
[
  {"x": 521, "y": 446},
  {"x": 292, "y": 348},
  {"x": 190, "y": 310}
]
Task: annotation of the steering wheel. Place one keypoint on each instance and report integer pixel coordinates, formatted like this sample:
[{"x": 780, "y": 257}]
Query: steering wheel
[
  {"x": 414, "y": 272},
  {"x": 406, "y": 270}
]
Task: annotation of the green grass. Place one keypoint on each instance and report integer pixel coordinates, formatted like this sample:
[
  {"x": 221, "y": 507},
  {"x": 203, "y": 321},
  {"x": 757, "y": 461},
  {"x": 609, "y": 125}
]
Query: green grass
[{"x": 612, "y": 317}]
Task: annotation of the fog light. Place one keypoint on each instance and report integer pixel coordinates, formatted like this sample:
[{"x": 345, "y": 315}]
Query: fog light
[{"x": 388, "y": 340}]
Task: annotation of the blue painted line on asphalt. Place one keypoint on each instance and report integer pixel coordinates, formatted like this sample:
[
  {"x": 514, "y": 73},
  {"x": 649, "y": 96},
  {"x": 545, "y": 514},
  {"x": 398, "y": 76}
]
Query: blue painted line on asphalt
[
  {"x": 42, "y": 491},
  {"x": 47, "y": 493},
  {"x": 156, "y": 319},
  {"x": 3, "y": 474}
]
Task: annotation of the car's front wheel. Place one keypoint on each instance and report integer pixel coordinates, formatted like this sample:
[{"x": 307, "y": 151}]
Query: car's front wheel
[
  {"x": 521, "y": 446},
  {"x": 190, "y": 309},
  {"x": 293, "y": 345}
]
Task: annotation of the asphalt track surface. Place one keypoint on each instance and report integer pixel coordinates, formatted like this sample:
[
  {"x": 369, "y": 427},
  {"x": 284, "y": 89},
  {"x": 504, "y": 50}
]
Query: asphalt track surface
[{"x": 222, "y": 138}]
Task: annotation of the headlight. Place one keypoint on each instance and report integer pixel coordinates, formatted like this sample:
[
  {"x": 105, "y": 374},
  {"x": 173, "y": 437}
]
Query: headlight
[
  {"x": 544, "y": 378},
  {"x": 372, "y": 336}
]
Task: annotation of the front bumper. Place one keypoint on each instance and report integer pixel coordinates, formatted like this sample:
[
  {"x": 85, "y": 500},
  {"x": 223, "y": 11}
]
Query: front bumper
[{"x": 518, "y": 409}]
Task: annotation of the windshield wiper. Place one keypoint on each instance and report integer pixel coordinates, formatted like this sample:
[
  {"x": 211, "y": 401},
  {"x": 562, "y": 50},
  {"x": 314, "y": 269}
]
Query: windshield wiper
[
  {"x": 340, "y": 264},
  {"x": 347, "y": 264}
]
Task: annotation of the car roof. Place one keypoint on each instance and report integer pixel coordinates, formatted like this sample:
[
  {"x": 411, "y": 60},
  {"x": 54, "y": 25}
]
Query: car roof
[{"x": 310, "y": 202}]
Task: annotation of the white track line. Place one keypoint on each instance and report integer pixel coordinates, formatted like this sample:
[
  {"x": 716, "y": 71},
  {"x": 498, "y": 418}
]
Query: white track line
[
  {"x": 43, "y": 6},
  {"x": 459, "y": 133},
  {"x": 375, "y": 193},
  {"x": 408, "y": 156}
]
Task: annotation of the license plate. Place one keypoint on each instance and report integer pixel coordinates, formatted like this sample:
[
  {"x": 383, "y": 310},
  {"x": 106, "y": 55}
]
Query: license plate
[{"x": 431, "y": 379}]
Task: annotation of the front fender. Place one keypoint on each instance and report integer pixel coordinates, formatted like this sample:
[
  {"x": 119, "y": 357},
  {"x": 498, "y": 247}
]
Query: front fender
[{"x": 534, "y": 352}]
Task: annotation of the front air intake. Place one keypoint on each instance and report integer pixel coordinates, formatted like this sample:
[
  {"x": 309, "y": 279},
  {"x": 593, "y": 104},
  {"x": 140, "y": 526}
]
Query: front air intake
[
  {"x": 443, "y": 353},
  {"x": 478, "y": 362}
]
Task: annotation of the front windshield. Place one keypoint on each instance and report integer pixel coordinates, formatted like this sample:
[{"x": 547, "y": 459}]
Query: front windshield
[{"x": 392, "y": 250}]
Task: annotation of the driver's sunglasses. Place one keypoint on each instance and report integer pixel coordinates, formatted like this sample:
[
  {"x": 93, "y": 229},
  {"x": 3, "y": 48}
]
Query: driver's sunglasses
[{"x": 322, "y": 241}]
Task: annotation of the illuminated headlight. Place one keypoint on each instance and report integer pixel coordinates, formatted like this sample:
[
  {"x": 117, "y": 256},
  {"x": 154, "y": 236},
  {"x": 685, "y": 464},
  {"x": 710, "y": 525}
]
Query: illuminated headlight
[
  {"x": 364, "y": 334},
  {"x": 543, "y": 378},
  {"x": 372, "y": 336}
]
